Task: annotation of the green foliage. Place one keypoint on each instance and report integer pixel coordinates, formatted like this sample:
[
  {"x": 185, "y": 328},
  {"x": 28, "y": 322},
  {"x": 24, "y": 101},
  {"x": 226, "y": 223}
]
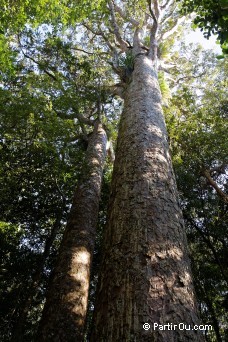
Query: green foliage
[
  {"x": 7, "y": 56},
  {"x": 166, "y": 94},
  {"x": 127, "y": 60},
  {"x": 212, "y": 18},
  {"x": 15, "y": 14}
]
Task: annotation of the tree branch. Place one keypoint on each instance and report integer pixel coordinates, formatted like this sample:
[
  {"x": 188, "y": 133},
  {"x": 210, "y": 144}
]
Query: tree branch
[
  {"x": 207, "y": 174},
  {"x": 190, "y": 77},
  {"x": 156, "y": 8},
  {"x": 74, "y": 48},
  {"x": 40, "y": 65},
  {"x": 123, "y": 15},
  {"x": 168, "y": 33},
  {"x": 117, "y": 89},
  {"x": 208, "y": 243},
  {"x": 167, "y": 17},
  {"x": 123, "y": 44},
  {"x": 153, "y": 42},
  {"x": 152, "y": 12},
  {"x": 219, "y": 169},
  {"x": 101, "y": 34},
  {"x": 165, "y": 4}
]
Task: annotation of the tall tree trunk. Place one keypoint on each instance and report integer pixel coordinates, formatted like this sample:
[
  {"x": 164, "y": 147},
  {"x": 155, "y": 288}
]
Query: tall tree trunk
[
  {"x": 145, "y": 272},
  {"x": 65, "y": 309}
]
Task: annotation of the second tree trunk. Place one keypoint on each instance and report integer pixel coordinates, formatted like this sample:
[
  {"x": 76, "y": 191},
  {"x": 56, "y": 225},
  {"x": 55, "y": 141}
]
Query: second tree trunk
[{"x": 65, "y": 309}]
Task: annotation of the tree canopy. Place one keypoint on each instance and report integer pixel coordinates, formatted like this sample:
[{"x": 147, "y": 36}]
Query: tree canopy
[{"x": 211, "y": 17}]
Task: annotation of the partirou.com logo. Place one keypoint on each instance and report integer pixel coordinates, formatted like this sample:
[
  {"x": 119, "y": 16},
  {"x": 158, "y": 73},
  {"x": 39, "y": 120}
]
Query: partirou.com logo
[{"x": 180, "y": 326}]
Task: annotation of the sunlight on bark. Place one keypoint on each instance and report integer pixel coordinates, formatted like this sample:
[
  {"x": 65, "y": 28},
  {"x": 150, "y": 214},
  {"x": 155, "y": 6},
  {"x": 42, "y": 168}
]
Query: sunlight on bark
[
  {"x": 155, "y": 130},
  {"x": 82, "y": 257},
  {"x": 82, "y": 261},
  {"x": 174, "y": 252},
  {"x": 80, "y": 274}
]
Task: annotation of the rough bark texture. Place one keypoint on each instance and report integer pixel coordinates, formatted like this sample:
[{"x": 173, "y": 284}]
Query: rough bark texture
[
  {"x": 65, "y": 309},
  {"x": 145, "y": 273}
]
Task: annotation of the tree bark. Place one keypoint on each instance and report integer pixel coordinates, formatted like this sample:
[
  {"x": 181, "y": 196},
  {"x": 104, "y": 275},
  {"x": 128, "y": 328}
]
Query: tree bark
[
  {"x": 65, "y": 309},
  {"x": 145, "y": 273}
]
